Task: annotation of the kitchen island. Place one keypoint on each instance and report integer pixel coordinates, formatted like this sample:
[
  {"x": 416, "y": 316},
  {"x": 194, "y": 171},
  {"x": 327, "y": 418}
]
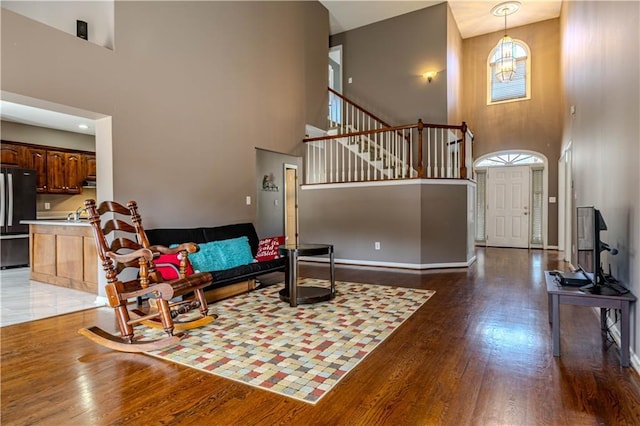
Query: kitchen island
[{"x": 63, "y": 253}]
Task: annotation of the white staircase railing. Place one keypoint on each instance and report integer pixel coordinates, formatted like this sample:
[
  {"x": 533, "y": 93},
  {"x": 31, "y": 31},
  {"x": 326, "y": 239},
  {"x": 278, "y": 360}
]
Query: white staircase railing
[
  {"x": 419, "y": 150},
  {"x": 362, "y": 147}
]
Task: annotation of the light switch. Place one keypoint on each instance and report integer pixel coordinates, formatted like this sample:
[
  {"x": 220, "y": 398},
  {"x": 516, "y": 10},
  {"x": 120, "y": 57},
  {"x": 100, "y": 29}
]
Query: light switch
[
  {"x": 552, "y": 200},
  {"x": 248, "y": 200},
  {"x": 350, "y": 80}
]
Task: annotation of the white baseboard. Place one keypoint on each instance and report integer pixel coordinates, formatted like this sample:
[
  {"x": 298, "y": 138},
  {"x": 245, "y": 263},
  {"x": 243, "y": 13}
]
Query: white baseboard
[
  {"x": 416, "y": 266},
  {"x": 615, "y": 333}
]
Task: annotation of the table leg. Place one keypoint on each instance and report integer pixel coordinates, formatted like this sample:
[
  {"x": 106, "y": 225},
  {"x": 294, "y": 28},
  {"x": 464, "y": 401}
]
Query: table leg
[
  {"x": 293, "y": 278},
  {"x": 332, "y": 273},
  {"x": 549, "y": 303},
  {"x": 624, "y": 334},
  {"x": 555, "y": 324}
]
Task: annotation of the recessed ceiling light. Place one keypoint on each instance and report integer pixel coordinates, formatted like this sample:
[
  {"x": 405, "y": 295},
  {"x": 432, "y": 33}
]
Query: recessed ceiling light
[{"x": 83, "y": 126}]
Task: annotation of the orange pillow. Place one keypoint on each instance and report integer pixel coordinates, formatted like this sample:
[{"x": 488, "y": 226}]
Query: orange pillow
[
  {"x": 169, "y": 266},
  {"x": 268, "y": 248}
]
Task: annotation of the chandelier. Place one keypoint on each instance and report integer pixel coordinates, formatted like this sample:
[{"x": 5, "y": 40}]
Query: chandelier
[{"x": 505, "y": 63}]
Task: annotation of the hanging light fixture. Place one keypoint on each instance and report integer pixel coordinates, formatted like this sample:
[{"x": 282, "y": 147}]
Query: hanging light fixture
[{"x": 505, "y": 63}]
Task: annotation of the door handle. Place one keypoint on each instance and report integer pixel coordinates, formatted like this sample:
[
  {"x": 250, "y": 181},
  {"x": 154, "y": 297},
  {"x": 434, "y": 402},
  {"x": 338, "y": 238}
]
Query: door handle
[
  {"x": 525, "y": 213},
  {"x": 2, "y": 199},
  {"x": 10, "y": 191}
]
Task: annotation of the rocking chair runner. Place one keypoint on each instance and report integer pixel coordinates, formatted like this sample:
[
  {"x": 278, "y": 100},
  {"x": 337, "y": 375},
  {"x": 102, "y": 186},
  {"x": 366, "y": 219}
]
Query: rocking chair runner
[{"x": 130, "y": 248}]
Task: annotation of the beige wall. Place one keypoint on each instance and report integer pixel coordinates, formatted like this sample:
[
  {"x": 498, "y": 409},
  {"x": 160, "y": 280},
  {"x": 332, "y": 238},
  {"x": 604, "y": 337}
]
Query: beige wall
[
  {"x": 386, "y": 61},
  {"x": 454, "y": 71},
  {"x": 600, "y": 77},
  {"x": 419, "y": 224},
  {"x": 534, "y": 124},
  {"x": 191, "y": 88}
]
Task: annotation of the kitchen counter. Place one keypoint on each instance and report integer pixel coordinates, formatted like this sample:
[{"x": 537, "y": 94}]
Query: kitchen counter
[
  {"x": 63, "y": 253},
  {"x": 57, "y": 222}
]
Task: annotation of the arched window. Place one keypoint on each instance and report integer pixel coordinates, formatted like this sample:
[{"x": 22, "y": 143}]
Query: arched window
[
  {"x": 517, "y": 89},
  {"x": 510, "y": 159}
]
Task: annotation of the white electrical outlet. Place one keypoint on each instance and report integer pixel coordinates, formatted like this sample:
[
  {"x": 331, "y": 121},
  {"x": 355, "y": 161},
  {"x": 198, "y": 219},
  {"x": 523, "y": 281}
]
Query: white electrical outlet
[
  {"x": 47, "y": 206},
  {"x": 248, "y": 200},
  {"x": 376, "y": 245}
]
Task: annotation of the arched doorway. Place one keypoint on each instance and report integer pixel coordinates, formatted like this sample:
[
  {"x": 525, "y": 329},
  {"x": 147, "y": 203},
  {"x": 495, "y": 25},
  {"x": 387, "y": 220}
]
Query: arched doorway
[{"x": 511, "y": 201}]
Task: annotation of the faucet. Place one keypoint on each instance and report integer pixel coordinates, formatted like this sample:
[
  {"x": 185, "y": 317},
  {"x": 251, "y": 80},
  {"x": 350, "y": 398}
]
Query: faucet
[{"x": 76, "y": 215}]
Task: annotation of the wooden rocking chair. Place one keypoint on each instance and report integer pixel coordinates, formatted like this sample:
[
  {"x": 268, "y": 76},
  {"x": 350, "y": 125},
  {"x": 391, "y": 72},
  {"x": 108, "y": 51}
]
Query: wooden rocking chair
[{"x": 130, "y": 248}]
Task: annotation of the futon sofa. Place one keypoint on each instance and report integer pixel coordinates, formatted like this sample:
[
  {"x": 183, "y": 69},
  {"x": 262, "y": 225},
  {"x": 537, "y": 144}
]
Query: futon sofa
[{"x": 227, "y": 276}]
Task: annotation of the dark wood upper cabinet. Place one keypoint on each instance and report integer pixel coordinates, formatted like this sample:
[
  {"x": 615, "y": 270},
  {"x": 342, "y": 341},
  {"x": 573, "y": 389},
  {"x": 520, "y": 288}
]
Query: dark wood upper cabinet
[
  {"x": 36, "y": 158},
  {"x": 73, "y": 173},
  {"x": 58, "y": 170},
  {"x": 64, "y": 172},
  {"x": 11, "y": 155},
  {"x": 90, "y": 167}
]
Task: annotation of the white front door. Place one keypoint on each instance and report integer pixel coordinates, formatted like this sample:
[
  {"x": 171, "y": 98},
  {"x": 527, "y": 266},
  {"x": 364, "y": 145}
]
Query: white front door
[{"x": 508, "y": 206}]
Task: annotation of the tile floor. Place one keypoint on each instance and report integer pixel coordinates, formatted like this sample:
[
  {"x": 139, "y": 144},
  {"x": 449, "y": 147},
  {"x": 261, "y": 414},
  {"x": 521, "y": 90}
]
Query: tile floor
[{"x": 23, "y": 300}]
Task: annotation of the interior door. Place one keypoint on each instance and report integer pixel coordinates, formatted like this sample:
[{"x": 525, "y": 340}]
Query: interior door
[
  {"x": 508, "y": 194},
  {"x": 291, "y": 204}
]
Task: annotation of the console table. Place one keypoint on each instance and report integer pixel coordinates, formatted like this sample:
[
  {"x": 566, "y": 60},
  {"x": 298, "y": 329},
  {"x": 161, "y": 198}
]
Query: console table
[
  {"x": 558, "y": 294},
  {"x": 306, "y": 294}
]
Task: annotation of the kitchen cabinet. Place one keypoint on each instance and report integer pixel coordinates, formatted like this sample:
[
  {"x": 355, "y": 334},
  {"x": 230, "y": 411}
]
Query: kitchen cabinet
[
  {"x": 58, "y": 170},
  {"x": 90, "y": 167},
  {"x": 63, "y": 254},
  {"x": 11, "y": 155},
  {"x": 64, "y": 172},
  {"x": 36, "y": 159}
]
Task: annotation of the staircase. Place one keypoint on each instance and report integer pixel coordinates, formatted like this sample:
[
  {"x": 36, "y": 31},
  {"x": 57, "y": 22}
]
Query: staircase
[
  {"x": 378, "y": 158},
  {"x": 362, "y": 147}
]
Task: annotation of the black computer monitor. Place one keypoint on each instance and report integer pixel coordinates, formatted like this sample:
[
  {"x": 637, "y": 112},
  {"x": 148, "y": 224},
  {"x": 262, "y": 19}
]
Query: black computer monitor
[{"x": 590, "y": 246}]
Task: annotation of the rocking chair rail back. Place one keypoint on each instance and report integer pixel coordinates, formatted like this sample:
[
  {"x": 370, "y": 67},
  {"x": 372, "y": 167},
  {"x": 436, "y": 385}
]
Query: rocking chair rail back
[{"x": 167, "y": 300}]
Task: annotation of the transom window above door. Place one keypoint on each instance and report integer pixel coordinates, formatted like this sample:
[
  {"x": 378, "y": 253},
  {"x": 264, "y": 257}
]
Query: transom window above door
[{"x": 510, "y": 159}]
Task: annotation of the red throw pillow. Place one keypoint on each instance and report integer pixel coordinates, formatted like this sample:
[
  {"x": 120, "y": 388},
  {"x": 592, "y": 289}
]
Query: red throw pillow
[
  {"x": 268, "y": 248},
  {"x": 169, "y": 266}
]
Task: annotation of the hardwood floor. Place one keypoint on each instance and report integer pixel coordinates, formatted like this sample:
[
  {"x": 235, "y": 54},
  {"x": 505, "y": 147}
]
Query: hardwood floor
[{"x": 477, "y": 353}]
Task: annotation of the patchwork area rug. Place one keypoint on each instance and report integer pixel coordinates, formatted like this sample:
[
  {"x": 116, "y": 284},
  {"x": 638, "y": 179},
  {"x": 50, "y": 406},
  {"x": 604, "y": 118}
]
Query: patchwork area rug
[{"x": 300, "y": 352}]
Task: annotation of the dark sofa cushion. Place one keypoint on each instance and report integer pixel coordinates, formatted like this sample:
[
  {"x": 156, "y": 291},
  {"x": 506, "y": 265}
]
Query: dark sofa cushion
[
  {"x": 168, "y": 236},
  {"x": 233, "y": 231},
  {"x": 245, "y": 272}
]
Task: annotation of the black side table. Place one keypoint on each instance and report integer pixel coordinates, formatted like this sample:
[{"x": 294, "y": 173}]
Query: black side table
[{"x": 306, "y": 294}]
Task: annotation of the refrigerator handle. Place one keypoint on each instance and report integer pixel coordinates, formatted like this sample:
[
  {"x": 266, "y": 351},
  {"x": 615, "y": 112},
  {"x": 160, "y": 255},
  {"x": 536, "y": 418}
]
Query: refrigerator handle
[
  {"x": 10, "y": 191},
  {"x": 2, "y": 198}
]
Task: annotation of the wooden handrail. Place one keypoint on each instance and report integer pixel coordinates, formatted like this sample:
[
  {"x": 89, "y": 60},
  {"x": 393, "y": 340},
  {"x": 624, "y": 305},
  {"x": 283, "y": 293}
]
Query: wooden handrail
[
  {"x": 386, "y": 129},
  {"x": 421, "y": 172},
  {"x": 384, "y": 123},
  {"x": 441, "y": 142}
]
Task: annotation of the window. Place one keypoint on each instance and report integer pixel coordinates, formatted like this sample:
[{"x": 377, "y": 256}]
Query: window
[
  {"x": 537, "y": 191},
  {"x": 481, "y": 204},
  {"x": 510, "y": 159},
  {"x": 511, "y": 90}
]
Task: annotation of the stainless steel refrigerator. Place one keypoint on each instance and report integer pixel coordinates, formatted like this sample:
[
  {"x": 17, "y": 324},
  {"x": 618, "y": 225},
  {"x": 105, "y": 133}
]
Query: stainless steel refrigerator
[{"x": 17, "y": 202}]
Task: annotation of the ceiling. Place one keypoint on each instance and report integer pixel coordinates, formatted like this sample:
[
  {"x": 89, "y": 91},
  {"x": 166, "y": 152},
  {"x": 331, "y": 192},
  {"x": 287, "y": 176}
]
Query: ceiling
[
  {"x": 472, "y": 17},
  {"x": 24, "y": 114}
]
